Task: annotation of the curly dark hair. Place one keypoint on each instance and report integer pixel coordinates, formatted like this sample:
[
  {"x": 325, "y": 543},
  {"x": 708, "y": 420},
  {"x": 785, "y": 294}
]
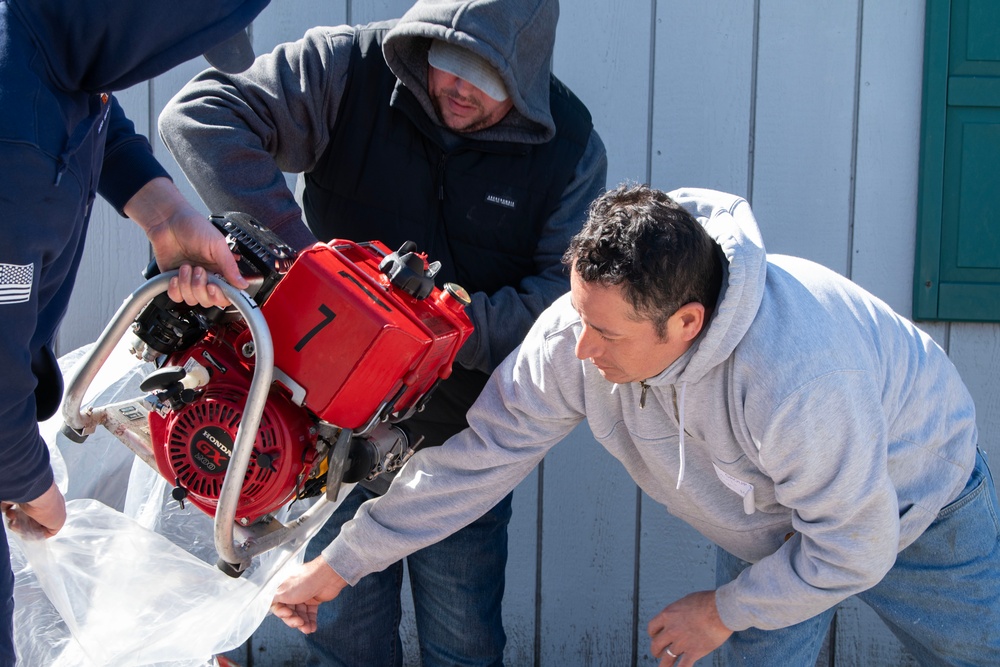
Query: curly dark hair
[{"x": 638, "y": 237}]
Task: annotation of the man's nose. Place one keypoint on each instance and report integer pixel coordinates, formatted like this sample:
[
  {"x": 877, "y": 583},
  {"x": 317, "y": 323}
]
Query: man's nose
[{"x": 585, "y": 345}]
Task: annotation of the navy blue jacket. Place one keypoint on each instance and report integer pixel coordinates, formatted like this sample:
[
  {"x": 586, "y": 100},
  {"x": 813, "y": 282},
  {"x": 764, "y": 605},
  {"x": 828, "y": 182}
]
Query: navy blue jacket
[{"x": 63, "y": 140}]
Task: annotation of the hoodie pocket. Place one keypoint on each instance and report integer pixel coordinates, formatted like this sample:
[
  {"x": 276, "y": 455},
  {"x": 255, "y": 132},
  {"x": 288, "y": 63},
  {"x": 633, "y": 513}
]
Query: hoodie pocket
[{"x": 743, "y": 479}]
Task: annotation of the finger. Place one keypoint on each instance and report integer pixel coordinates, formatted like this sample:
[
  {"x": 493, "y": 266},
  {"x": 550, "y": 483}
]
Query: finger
[
  {"x": 184, "y": 277},
  {"x": 295, "y": 616},
  {"x": 230, "y": 270},
  {"x": 655, "y": 626},
  {"x": 174, "y": 290},
  {"x": 670, "y": 657},
  {"x": 280, "y": 610},
  {"x": 292, "y": 621},
  {"x": 206, "y": 293},
  {"x": 287, "y": 614},
  {"x": 308, "y": 614},
  {"x": 216, "y": 297},
  {"x": 199, "y": 284},
  {"x": 658, "y": 643},
  {"x": 308, "y": 619}
]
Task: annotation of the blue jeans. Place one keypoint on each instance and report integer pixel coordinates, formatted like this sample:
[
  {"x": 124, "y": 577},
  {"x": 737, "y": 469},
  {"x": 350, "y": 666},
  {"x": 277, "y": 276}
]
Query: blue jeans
[
  {"x": 457, "y": 586},
  {"x": 941, "y": 598}
]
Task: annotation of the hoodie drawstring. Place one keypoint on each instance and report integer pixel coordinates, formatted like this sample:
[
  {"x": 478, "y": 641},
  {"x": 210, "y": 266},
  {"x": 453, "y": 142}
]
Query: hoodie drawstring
[
  {"x": 679, "y": 405},
  {"x": 680, "y": 447}
]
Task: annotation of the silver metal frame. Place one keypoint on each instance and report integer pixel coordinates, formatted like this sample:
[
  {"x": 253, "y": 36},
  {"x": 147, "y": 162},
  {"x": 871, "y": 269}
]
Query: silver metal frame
[{"x": 236, "y": 545}]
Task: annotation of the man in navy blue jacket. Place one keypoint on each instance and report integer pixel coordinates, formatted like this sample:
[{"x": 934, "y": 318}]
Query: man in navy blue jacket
[{"x": 63, "y": 140}]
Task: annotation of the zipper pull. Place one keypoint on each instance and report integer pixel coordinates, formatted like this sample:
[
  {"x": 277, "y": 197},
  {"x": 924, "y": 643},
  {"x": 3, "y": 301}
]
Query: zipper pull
[{"x": 642, "y": 396}]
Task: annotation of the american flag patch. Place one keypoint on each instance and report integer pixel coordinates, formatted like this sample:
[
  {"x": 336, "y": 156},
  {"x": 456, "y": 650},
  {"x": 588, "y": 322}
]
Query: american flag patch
[{"x": 15, "y": 282}]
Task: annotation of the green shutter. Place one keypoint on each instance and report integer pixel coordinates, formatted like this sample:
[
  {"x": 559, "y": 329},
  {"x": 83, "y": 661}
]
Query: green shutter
[{"x": 957, "y": 272}]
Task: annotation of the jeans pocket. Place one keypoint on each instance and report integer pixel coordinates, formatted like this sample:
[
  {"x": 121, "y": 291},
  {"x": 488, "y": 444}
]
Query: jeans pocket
[{"x": 978, "y": 493}]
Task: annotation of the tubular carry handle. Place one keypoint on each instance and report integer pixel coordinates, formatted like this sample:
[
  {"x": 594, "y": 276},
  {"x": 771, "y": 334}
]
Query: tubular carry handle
[{"x": 237, "y": 554}]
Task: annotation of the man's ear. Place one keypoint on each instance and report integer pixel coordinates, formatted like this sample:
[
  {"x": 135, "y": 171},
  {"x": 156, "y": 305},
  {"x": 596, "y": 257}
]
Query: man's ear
[{"x": 690, "y": 318}]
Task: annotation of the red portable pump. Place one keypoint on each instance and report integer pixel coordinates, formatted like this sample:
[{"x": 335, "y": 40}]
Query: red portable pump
[{"x": 351, "y": 340}]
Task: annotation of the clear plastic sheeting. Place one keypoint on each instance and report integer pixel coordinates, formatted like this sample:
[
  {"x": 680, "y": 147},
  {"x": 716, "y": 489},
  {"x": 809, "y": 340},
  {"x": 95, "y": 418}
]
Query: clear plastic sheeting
[{"x": 131, "y": 578}]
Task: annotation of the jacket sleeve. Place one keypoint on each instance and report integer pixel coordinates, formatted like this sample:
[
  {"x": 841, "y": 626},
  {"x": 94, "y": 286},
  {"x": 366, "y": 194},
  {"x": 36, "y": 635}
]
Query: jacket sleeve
[
  {"x": 34, "y": 213},
  {"x": 234, "y": 135},
  {"x": 24, "y": 456},
  {"x": 128, "y": 161},
  {"x": 531, "y": 402},
  {"x": 503, "y": 318},
  {"x": 825, "y": 447},
  {"x": 25, "y": 473}
]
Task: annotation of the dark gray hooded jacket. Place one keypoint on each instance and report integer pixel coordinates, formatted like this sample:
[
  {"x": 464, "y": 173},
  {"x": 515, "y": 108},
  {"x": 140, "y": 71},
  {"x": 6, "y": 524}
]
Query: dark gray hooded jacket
[{"x": 235, "y": 135}]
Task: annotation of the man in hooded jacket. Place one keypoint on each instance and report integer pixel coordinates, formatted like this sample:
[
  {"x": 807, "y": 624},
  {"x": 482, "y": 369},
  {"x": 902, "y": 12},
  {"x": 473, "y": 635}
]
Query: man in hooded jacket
[
  {"x": 63, "y": 140},
  {"x": 822, "y": 441},
  {"x": 446, "y": 128}
]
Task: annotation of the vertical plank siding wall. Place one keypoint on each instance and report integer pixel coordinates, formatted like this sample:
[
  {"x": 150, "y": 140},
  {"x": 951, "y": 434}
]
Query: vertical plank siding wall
[{"x": 811, "y": 110}]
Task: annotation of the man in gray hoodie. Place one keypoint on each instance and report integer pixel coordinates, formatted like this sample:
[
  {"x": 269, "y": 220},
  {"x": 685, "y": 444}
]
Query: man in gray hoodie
[
  {"x": 446, "y": 128},
  {"x": 822, "y": 441}
]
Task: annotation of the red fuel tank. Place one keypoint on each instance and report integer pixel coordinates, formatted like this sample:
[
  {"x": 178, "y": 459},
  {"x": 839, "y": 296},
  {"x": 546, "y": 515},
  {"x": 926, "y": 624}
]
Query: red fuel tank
[{"x": 352, "y": 340}]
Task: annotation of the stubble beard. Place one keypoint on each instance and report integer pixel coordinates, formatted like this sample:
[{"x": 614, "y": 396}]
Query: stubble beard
[{"x": 474, "y": 124}]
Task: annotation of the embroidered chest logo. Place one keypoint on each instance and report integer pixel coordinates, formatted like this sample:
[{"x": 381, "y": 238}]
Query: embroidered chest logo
[
  {"x": 501, "y": 201},
  {"x": 15, "y": 282}
]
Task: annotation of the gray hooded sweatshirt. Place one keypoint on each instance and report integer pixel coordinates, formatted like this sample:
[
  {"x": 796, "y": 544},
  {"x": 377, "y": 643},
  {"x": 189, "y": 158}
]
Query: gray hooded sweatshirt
[{"x": 810, "y": 430}]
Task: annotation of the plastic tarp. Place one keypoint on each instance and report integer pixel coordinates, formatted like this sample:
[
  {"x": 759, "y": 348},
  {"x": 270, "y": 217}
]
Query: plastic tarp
[{"x": 131, "y": 578}]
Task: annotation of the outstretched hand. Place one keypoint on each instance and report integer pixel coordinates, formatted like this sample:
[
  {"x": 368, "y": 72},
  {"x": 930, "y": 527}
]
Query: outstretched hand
[
  {"x": 298, "y": 597},
  {"x": 181, "y": 237},
  {"x": 687, "y": 630}
]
